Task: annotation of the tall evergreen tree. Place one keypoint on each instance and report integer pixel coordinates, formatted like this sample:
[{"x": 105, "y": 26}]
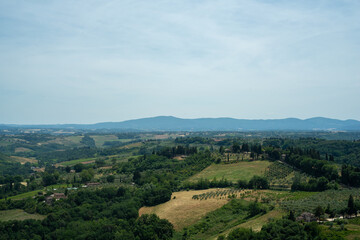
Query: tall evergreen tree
[{"x": 351, "y": 206}]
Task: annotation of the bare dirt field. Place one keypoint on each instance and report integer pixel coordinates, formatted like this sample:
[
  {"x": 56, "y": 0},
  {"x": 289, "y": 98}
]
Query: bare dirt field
[
  {"x": 180, "y": 157},
  {"x": 183, "y": 210}
]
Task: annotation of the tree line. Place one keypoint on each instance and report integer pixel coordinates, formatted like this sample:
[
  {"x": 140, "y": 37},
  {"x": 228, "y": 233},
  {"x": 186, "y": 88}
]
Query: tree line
[{"x": 108, "y": 213}]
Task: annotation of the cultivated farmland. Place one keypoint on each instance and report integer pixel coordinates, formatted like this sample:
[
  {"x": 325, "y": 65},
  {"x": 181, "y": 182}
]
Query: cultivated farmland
[
  {"x": 18, "y": 214},
  {"x": 242, "y": 170},
  {"x": 182, "y": 210}
]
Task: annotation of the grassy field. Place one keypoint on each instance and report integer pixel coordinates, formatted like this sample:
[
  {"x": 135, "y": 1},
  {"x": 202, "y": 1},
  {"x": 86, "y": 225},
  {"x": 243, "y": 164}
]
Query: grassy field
[
  {"x": 216, "y": 222},
  {"x": 353, "y": 228},
  {"x": 57, "y": 186},
  {"x": 22, "y": 149},
  {"x": 123, "y": 157},
  {"x": 278, "y": 196},
  {"x": 24, "y": 195},
  {"x": 337, "y": 199},
  {"x": 132, "y": 145},
  {"x": 24, "y": 160},
  {"x": 35, "y": 193},
  {"x": 4, "y": 143},
  {"x": 76, "y": 161},
  {"x": 270, "y": 196},
  {"x": 183, "y": 210},
  {"x": 74, "y": 139},
  {"x": 18, "y": 214},
  {"x": 256, "y": 223},
  {"x": 233, "y": 172},
  {"x": 101, "y": 139}
]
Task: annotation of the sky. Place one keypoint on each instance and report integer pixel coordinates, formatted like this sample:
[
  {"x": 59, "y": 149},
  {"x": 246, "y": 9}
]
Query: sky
[{"x": 90, "y": 61}]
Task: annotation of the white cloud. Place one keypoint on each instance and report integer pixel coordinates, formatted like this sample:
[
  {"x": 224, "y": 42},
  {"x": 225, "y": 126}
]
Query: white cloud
[{"x": 186, "y": 58}]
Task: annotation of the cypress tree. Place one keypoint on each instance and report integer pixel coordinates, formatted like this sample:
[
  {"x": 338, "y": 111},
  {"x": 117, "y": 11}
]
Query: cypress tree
[{"x": 351, "y": 206}]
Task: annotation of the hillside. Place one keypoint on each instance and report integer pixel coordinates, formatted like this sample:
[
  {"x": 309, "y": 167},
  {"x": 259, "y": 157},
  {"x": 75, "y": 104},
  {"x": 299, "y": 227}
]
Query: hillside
[{"x": 169, "y": 123}]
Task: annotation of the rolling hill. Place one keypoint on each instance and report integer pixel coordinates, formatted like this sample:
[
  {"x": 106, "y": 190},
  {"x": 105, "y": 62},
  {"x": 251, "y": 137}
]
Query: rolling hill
[{"x": 169, "y": 123}]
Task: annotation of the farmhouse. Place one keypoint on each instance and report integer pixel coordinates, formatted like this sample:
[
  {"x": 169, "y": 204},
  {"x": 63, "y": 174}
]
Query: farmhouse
[
  {"x": 91, "y": 184},
  {"x": 306, "y": 217},
  {"x": 56, "y": 196}
]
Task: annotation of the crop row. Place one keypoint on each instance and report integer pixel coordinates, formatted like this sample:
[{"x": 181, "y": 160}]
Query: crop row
[
  {"x": 278, "y": 170},
  {"x": 220, "y": 193},
  {"x": 337, "y": 199}
]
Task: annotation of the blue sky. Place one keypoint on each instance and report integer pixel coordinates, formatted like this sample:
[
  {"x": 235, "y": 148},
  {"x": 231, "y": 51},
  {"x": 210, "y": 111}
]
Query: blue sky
[{"x": 93, "y": 61}]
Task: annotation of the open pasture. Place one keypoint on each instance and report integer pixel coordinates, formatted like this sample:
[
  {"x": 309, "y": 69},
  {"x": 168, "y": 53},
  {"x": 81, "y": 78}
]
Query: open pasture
[
  {"x": 242, "y": 170},
  {"x": 101, "y": 139},
  {"x": 24, "y": 160},
  {"x": 74, "y": 139},
  {"x": 24, "y": 195},
  {"x": 18, "y": 214},
  {"x": 256, "y": 223},
  {"x": 22, "y": 149},
  {"x": 76, "y": 161},
  {"x": 131, "y": 145}
]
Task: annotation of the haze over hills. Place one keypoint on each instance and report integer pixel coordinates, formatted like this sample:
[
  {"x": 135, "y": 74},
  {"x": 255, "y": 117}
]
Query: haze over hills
[{"x": 169, "y": 123}]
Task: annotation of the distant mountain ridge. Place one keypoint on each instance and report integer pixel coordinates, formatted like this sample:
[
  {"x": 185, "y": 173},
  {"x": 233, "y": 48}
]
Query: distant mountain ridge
[{"x": 170, "y": 123}]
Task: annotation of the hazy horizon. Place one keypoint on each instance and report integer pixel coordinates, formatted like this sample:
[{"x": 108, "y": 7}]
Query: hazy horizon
[
  {"x": 89, "y": 123},
  {"x": 86, "y": 62}
]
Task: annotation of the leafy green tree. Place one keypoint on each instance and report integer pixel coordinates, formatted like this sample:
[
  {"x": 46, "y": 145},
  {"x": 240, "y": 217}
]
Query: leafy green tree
[
  {"x": 245, "y": 147},
  {"x": 123, "y": 234},
  {"x": 235, "y": 147},
  {"x": 49, "y": 179},
  {"x": 152, "y": 227},
  {"x": 88, "y": 141},
  {"x": 78, "y": 167},
  {"x": 322, "y": 184},
  {"x": 137, "y": 177},
  {"x": 99, "y": 162},
  {"x": 155, "y": 195},
  {"x": 242, "y": 184},
  {"x": 330, "y": 211},
  {"x": 255, "y": 209},
  {"x": 258, "y": 182},
  {"x": 296, "y": 183},
  {"x": 86, "y": 175},
  {"x": 313, "y": 230},
  {"x": 319, "y": 211},
  {"x": 283, "y": 229},
  {"x": 242, "y": 233},
  {"x": 110, "y": 178}
]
